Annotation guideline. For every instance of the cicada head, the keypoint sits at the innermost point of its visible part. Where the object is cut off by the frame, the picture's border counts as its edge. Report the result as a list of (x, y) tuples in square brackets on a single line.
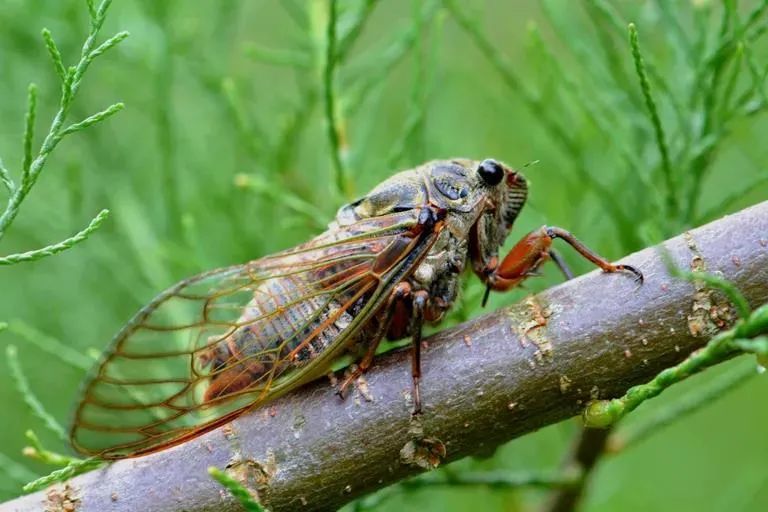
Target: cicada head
[(495, 194), (482, 199)]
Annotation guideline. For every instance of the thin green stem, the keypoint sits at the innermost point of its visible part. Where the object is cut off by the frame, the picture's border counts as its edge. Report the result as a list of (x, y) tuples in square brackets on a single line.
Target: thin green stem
[(50, 250), (635, 433), (730, 86), (496, 479), (50, 346), (412, 136), (279, 57), (93, 119), (347, 41), (108, 44), (645, 86), (55, 54), (91, 9), (72, 80), (330, 100), (758, 77), (29, 130), (38, 452), (236, 489), (60, 475), (22, 386), (603, 413)]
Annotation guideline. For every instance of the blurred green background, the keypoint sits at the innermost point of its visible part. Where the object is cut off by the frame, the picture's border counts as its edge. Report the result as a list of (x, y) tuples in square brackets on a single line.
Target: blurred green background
[(222, 155)]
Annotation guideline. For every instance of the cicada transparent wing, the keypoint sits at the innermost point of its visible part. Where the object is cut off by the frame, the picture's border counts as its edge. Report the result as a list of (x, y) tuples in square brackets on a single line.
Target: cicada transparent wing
[(218, 343)]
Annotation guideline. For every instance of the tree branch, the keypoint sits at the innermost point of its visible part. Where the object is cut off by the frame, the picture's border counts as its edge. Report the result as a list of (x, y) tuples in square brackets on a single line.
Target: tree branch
[(589, 447), (485, 382)]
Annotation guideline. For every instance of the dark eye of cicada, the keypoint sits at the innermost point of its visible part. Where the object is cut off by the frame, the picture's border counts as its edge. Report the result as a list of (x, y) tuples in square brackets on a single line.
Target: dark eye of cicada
[(491, 172)]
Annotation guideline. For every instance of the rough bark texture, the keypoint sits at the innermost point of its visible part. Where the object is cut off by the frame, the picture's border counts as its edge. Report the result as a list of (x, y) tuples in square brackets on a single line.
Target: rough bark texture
[(485, 382)]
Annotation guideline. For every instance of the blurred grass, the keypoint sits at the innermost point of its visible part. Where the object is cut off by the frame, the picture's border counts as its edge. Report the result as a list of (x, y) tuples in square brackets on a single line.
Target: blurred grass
[(222, 155)]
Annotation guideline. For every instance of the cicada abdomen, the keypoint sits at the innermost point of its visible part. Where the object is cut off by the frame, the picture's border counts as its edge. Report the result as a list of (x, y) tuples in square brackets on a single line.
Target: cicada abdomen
[(293, 316), (268, 344)]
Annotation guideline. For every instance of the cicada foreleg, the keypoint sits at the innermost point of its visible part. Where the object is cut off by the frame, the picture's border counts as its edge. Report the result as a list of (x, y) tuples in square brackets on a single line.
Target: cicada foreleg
[(534, 249)]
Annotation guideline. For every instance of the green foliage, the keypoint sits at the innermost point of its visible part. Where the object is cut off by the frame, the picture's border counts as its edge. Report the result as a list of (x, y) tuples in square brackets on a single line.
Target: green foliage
[(58, 247), (330, 98), (249, 123), (71, 79), (704, 395), (748, 335), (74, 468), (31, 168), (22, 385), (653, 112), (237, 490)]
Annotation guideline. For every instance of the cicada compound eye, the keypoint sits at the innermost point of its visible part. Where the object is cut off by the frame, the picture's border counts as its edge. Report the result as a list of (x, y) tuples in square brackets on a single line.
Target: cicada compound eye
[(491, 172)]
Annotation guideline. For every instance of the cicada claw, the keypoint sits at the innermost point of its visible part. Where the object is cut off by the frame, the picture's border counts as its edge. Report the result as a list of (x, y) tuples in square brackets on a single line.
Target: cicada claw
[(639, 278)]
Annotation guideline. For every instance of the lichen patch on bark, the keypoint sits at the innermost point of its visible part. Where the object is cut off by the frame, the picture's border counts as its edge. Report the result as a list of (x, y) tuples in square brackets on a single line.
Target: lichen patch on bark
[(61, 498), (422, 451), (426, 453), (710, 311), (529, 323), (253, 475)]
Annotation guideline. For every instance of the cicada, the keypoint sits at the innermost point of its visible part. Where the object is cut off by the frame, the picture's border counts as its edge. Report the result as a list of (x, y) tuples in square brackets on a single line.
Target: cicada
[(228, 340)]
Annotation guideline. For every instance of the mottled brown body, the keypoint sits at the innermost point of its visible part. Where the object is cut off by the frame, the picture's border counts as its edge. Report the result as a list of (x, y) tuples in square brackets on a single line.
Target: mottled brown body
[(240, 336)]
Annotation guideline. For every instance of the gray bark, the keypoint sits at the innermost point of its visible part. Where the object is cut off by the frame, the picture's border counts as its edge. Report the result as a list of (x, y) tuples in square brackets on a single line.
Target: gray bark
[(485, 382)]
